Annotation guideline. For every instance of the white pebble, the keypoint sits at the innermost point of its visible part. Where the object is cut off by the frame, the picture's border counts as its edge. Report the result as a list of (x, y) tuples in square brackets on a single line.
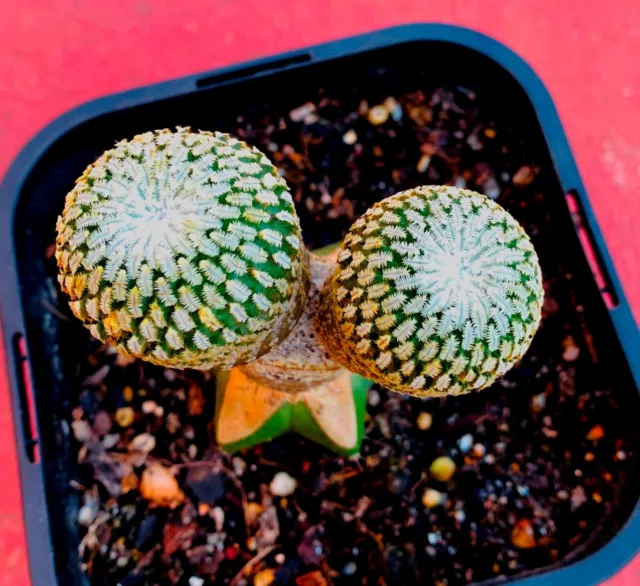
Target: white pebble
[(218, 517), (239, 466), (149, 407), (539, 402), (479, 450), (571, 353), (81, 430), (301, 112), (110, 440), (196, 581), (465, 443), (374, 398), (282, 484), (144, 443), (86, 515), (280, 559), (350, 137)]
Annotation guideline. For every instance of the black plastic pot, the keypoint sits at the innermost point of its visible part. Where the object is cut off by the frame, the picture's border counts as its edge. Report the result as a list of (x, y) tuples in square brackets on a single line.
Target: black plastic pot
[(32, 195)]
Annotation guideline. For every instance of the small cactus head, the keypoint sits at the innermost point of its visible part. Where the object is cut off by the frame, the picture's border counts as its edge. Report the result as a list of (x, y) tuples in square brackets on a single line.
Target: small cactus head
[(437, 291), (184, 249)]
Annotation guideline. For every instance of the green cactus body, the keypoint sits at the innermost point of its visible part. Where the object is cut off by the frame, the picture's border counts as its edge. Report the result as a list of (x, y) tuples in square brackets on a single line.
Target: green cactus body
[(183, 249), (437, 291)]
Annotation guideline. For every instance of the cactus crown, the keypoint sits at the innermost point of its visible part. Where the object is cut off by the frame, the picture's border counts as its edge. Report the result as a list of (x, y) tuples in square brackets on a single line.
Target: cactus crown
[(183, 249), (437, 291)]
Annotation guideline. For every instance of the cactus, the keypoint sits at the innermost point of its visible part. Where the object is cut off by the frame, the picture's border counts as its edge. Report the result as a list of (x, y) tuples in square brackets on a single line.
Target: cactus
[(437, 291), (183, 249)]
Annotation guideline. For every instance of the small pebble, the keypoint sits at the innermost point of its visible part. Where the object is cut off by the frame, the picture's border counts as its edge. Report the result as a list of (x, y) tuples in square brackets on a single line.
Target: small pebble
[(350, 569), (538, 402), (158, 411), (102, 423), (460, 516), (144, 443), (621, 456), (87, 514), (474, 142), (282, 484), (82, 430), (239, 466), (424, 421), (280, 558), (125, 416), (196, 581), (127, 394), (172, 423), (465, 443), (523, 536), (129, 482), (432, 498), (350, 137), (443, 468), (158, 485), (423, 163), (378, 115), (578, 497), (374, 398), (298, 114), (149, 407), (264, 577), (523, 176), (571, 350), (479, 450), (394, 108), (596, 433), (218, 518), (490, 459), (110, 440), (563, 495), (491, 188), (433, 538)]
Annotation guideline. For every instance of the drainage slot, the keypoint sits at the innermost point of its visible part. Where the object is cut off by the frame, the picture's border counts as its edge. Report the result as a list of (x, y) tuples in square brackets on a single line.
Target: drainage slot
[(591, 252), (253, 70), (27, 399)]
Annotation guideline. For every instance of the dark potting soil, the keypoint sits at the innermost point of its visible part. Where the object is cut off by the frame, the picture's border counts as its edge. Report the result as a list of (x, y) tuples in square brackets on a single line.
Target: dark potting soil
[(538, 457)]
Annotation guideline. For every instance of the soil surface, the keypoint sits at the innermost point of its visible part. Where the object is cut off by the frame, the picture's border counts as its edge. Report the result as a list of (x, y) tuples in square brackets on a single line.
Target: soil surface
[(531, 466)]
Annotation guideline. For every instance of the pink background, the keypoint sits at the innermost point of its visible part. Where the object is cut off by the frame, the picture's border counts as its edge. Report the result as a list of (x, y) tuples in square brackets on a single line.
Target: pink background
[(56, 55)]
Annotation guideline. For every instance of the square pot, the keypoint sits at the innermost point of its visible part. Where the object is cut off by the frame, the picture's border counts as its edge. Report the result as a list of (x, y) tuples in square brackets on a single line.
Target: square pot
[(43, 349)]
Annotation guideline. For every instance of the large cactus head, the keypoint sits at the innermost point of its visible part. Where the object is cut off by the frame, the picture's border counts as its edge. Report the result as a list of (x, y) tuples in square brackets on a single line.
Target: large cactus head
[(184, 249), (437, 291)]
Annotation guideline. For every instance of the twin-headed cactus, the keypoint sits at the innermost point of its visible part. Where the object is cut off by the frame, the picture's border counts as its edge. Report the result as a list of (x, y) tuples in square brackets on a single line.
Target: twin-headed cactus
[(184, 249)]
